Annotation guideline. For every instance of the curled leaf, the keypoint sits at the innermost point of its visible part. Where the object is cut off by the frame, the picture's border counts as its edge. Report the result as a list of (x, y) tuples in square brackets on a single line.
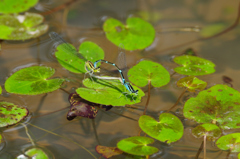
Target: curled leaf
[(192, 83)]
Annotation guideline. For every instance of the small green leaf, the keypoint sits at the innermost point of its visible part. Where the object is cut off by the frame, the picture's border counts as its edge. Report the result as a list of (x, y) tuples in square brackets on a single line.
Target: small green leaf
[(70, 60), (1, 139), (137, 145), (22, 27), (0, 90), (213, 132), (136, 34), (218, 105), (229, 142), (212, 30), (108, 92), (11, 114), (13, 6), (168, 129), (239, 156), (108, 152), (192, 83), (35, 153), (146, 71), (192, 65), (33, 81)]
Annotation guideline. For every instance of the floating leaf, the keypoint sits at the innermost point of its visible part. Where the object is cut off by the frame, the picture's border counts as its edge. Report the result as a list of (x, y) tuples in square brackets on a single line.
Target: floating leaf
[(108, 92), (70, 60), (0, 90), (108, 152), (168, 129), (33, 81), (21, 27), (229, 142), (136, 34), (11, 114), (137, 145), (35, 153), (212, 30), (239, 156), (148, 70), (192, 65), (13, 6), (219, 104), (213, 132), (192, 83)]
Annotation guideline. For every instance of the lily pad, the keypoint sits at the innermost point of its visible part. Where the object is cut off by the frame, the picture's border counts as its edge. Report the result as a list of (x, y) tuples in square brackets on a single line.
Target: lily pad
[(137, 145), (35, 153), (13, 6), (168, 129), (192, 83), (22, 27), (229, 142), (148, 70), (33, 81), (11, 114), (108, 152), (218, 105), (213, 132), (68, 56), (108, 92), (136, 34), (193, 65), (212, 29)]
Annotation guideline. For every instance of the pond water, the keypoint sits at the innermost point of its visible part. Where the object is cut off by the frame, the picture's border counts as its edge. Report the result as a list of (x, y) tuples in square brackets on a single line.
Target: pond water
[(83, 21)]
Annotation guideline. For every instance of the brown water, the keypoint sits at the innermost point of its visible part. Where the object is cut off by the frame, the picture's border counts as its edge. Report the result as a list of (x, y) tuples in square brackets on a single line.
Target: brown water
[(76, 24)]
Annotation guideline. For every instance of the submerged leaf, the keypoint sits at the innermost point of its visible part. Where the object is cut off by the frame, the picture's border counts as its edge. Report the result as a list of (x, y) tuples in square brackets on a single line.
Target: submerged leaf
[(168, 129), (108, 152), (193, 65), (34, 153), (213, 132), (11, 114), (212, 30), (229, 142), (136, 34), (192, 83), (22, 27), (146, 71), (0, 90), (108, 92), (137, 145), (218, 105), (33, 81)]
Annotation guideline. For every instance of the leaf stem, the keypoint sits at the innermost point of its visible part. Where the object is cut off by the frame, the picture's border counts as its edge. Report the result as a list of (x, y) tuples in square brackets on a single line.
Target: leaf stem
[(148, 99), (26, 129), (228, 154), (204, 146), (95, 131), (199, 151), (177, 100)]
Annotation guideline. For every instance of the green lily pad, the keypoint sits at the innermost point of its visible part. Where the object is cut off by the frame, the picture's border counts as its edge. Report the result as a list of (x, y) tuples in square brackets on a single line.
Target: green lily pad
[(168, 129), (213, 132), (192, 83), (148, 70), (13, 6), (218, 104), (67, 55), (33, 81), (229, 142), (22, 27), (212, 30), (193, 65), (137, 145), (136, 34), (0, 90), (108, 92), (108, 152), (35, 153), (11, 114)]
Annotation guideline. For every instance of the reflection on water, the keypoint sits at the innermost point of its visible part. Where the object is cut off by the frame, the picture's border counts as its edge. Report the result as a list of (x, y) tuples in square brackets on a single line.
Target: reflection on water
[(82, 21)]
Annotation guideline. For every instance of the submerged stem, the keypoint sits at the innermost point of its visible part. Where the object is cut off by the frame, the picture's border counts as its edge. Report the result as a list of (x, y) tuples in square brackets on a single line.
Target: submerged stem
[(204, 146), (95, 131), (228, 154), (177, 100), (199, 151), (148, 99), (31, 140)]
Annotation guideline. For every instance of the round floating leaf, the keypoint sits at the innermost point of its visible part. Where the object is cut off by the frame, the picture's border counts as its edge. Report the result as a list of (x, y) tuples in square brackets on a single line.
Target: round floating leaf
[(13, 6), (219, 104), (108, 92), (212, 131), (11, 114), (192, 83), (33, 81), (148, 70), (193, 65), (229, 142), (136, 34), (168, 129), (137, 145), (35, 153), (22, 27), (0, 90), (69, 59), (108, 152), (212, 30)]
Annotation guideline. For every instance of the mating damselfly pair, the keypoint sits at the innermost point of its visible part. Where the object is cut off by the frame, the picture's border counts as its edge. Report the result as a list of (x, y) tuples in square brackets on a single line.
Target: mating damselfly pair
[(91, 67)]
